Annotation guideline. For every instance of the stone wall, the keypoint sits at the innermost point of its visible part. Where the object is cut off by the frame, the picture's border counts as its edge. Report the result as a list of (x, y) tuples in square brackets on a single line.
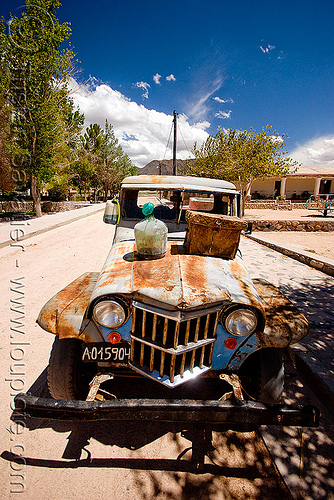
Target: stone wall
[(47, 206), (270, 204), (62, 206), (291, 225)]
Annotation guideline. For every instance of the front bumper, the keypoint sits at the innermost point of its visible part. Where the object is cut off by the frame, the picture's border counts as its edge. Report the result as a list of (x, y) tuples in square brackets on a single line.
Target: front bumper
[(184, 412)]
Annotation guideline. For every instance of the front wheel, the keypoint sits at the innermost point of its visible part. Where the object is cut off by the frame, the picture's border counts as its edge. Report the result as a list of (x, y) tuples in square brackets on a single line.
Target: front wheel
[(68, 377), (262, 375)]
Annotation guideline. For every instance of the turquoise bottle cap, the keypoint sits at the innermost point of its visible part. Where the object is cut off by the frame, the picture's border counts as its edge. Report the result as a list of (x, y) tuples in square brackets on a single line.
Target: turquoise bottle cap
[(148, 209)]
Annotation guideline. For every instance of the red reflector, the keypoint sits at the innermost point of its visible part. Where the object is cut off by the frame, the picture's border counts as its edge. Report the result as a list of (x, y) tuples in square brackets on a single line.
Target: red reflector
[(230, 343), (114, 337)]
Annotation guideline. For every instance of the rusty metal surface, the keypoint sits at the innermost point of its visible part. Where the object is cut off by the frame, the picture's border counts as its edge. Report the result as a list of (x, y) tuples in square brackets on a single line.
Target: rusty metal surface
[(234, 381), (63, 313), (95, 384), (285, 324), (177, 280), (178, 182), (184, 412)]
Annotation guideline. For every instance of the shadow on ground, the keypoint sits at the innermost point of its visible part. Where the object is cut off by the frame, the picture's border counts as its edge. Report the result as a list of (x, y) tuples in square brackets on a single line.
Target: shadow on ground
[(237, 464), (304, 457)]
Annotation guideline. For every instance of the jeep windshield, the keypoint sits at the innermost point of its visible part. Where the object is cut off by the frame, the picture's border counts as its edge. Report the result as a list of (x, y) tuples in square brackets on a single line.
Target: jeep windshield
[(171, 205)]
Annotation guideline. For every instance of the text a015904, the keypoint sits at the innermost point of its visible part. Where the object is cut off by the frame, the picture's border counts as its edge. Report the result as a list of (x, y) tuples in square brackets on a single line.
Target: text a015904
[(105, 352)]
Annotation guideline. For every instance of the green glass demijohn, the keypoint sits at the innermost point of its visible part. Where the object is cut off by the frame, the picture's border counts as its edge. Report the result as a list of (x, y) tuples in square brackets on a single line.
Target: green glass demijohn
[(150, 235)]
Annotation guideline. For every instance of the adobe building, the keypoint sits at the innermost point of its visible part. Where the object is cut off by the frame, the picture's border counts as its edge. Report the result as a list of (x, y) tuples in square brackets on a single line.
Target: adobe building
[(297, 186)]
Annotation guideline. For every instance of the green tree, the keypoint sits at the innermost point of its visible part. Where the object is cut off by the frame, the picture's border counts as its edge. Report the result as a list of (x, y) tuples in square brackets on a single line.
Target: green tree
[(103, 163), (242, 157), (34, 84), (82, 172), (6, 178), (89, 156), (58, 188), (114, 164)]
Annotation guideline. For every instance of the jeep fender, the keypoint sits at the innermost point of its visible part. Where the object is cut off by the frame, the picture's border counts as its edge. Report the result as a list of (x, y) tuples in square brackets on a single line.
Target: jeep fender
[(64, 313)]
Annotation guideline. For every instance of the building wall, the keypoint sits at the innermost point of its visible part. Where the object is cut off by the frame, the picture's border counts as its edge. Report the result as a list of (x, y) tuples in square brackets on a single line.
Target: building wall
[(294, 186), (298, 186), (264, 188)]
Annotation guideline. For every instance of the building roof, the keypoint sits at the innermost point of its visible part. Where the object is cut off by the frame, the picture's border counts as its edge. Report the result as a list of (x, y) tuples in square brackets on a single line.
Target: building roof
[(313, 172)]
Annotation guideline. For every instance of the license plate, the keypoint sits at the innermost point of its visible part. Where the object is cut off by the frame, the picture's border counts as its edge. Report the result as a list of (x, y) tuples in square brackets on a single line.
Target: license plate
[(118, 353)]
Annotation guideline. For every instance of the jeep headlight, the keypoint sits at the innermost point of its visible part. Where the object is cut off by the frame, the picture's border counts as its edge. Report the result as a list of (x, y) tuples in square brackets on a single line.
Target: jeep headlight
[(109, 313), (240, 322)]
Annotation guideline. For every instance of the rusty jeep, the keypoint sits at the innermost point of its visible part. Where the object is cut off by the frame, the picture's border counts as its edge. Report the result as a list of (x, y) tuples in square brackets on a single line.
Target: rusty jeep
[(192, 315)]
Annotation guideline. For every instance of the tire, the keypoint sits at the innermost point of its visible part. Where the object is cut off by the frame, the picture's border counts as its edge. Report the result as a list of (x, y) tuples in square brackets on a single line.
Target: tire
[(262, 375), (68, 377)]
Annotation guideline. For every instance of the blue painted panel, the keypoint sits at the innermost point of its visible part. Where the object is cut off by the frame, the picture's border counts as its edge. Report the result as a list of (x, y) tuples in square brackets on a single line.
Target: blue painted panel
[(123, 330), (232, 358), (251, 345)]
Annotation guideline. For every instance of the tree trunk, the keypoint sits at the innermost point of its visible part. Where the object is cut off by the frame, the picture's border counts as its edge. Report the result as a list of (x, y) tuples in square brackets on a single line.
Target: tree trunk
[(105, 192), (36, 196)]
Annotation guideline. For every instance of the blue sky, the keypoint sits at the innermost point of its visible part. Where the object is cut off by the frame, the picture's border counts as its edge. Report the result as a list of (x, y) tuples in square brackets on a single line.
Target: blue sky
[(218, 63)]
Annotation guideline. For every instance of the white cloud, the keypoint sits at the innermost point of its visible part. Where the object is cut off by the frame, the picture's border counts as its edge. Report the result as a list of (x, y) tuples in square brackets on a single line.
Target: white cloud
[(156, 78), (223, 101), (145, 86), (267, 49), (171, 78), (199, 111), (224, 115), (316, 152), (142, 133)]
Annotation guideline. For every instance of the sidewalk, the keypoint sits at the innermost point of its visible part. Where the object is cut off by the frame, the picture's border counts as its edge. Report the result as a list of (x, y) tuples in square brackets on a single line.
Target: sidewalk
[(315, 365), (19, 230), (313, 248), (317, 369), (282, 214), (295, 251)]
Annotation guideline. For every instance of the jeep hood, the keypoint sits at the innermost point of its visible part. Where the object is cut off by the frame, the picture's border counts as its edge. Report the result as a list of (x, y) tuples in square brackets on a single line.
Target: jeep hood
[(177, 281)]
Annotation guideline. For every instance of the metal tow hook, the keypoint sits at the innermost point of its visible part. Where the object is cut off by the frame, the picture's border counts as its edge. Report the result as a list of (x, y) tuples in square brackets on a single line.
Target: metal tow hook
[(95, 386), (234, 381)]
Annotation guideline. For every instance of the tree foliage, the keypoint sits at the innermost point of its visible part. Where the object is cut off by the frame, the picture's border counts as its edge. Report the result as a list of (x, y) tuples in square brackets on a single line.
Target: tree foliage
[(34, 85), (6, 179), (114, 164), (242, 157), (102, 163)]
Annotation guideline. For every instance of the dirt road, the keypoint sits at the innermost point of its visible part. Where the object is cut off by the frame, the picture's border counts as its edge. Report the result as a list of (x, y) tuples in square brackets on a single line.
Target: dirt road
[(102, 459)]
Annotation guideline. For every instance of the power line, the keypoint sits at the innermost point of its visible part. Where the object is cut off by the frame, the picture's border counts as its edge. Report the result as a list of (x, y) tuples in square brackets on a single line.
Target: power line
[(184, 142), (170, 133)]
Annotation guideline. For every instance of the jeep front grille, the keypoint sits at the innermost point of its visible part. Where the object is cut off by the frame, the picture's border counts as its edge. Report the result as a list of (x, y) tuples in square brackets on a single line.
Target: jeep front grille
[(169, 349)]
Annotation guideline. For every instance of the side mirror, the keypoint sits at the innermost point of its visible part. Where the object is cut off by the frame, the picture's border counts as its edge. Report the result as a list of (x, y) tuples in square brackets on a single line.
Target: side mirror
[(112, 212)]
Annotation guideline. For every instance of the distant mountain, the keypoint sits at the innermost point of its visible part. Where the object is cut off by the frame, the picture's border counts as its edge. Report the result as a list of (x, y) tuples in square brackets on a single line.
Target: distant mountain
[(163, 167)]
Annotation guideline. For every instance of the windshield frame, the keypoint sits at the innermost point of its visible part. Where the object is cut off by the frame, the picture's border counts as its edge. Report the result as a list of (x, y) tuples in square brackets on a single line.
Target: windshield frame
[(129, 202)]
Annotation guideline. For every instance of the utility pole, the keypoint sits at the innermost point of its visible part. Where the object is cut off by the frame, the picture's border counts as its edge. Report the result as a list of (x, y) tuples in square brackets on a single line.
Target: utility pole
[(174, 145)]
